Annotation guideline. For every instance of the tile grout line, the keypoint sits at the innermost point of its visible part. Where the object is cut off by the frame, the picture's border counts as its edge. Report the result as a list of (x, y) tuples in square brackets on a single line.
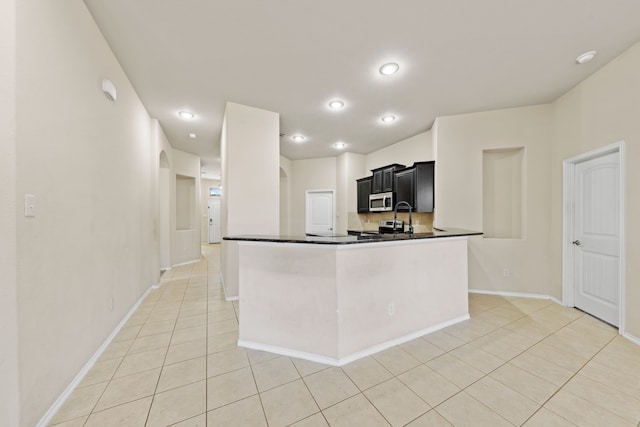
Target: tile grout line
[(532, 335), (313, 397), (548, 362), (503, 364), (445, 352), (155, 302), (258, 393), (573, 376), (166, 352), (116, 370), (206, 352)]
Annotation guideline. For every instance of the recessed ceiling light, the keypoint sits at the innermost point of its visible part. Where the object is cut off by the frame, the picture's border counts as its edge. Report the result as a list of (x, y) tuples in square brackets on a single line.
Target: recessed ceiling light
[(586, 57), (192, 135), (336, 104), (297, 138), (389, 68), (186, 114), (339, 145), (388, 118)]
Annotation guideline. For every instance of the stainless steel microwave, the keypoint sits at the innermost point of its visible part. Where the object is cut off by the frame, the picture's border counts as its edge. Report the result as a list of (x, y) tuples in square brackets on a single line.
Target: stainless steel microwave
[(381, 202)]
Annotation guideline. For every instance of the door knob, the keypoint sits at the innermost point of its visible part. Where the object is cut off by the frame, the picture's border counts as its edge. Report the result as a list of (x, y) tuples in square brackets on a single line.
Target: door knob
[(577, 242)]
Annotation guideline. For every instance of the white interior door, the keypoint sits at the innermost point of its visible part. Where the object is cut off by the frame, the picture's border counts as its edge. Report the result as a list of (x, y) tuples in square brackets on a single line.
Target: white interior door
[(596, 241), (319, 212), (214, 220)]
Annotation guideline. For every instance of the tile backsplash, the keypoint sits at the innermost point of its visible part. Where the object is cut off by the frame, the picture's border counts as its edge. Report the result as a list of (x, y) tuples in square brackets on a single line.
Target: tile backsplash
[(422, 221)]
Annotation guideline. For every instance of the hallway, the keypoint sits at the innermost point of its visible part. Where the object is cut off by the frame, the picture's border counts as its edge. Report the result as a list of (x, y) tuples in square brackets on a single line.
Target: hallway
[(517, 361)]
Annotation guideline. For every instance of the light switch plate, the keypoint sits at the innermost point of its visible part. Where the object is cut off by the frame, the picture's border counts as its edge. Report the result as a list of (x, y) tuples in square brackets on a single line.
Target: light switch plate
[(29, 205)]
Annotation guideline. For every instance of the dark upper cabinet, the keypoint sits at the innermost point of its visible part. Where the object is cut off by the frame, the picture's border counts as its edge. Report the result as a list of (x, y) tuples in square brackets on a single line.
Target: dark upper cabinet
[(364, 189), (383, 178), (425, 189), (387, 179), (414, 185), (405, 183), (376, 183)]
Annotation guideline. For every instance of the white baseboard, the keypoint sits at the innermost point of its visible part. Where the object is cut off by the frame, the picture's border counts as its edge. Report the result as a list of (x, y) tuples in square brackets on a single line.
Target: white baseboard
[(516, 294), (185, 263), (288, 352), (352, 357), (557, 301), (46, 418), (631, 338)]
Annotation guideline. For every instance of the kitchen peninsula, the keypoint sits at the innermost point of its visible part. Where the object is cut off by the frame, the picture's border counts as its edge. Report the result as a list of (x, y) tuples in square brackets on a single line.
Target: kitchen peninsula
[(337, 299)]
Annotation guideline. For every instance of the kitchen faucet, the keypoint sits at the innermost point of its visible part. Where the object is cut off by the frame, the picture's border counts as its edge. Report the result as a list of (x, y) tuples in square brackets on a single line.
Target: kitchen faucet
[(395, 215)]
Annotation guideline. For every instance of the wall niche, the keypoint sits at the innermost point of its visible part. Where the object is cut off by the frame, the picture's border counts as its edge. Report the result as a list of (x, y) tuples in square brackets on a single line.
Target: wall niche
[(503, 195), (185, 202)]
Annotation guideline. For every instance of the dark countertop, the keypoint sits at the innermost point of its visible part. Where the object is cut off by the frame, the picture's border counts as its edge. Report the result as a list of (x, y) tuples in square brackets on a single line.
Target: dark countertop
[(364, 237)]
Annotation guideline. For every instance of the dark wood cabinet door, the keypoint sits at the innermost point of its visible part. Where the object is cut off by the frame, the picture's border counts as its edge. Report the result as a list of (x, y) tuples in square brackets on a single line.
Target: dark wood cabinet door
[(364, 189), (376, 184), (387, 179), (405, 188), (424, 196), (383, 180), (414, 185)]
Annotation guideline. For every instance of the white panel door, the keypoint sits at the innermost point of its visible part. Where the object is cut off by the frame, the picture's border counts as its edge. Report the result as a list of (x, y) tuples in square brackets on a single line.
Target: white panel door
[(597, 237), (319, 212), (214, 220)]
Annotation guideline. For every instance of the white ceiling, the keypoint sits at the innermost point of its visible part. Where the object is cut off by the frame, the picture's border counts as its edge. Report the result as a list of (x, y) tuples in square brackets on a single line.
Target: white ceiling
[(294, 56)]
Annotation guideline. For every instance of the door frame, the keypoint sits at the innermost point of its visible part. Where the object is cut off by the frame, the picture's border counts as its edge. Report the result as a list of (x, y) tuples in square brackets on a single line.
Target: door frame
[(211, 221), (568, 212), (307, 213)]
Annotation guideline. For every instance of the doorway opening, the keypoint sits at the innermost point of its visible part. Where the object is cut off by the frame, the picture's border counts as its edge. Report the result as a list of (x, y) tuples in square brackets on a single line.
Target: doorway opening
[(593, 233)]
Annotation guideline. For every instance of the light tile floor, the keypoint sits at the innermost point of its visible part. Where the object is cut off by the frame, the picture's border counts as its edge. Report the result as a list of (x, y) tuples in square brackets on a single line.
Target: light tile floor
[(517, 362)]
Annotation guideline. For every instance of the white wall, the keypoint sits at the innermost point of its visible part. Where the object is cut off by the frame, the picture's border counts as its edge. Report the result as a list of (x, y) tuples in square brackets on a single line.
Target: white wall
[(602, 110), (164, 152), (9, 369), (350, 166), (311, 174), (183, 245), (459, 141), (250, 159), (285, 196), (251, 184), (418, 148), (91, 164)]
